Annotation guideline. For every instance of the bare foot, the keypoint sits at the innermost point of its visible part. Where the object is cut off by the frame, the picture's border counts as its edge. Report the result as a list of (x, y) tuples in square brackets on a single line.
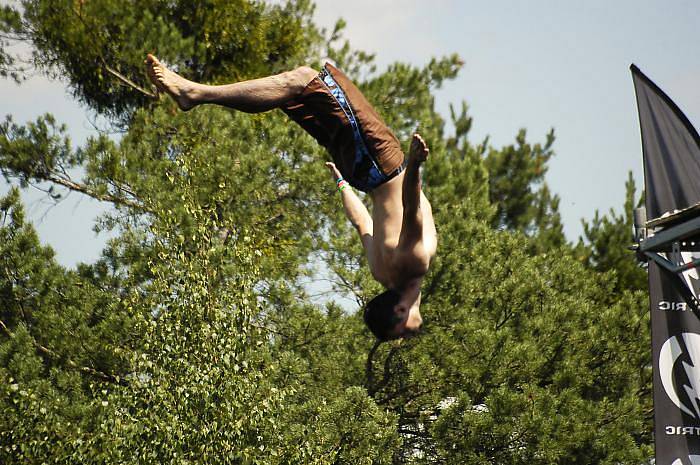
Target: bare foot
[(179, 88), (419, 149)]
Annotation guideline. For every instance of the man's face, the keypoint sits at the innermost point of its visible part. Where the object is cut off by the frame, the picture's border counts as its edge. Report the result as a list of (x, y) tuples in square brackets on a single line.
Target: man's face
[(408, 321)]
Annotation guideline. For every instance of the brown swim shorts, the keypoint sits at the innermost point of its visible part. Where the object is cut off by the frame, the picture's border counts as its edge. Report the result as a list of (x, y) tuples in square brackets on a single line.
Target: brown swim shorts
[(333, 111)]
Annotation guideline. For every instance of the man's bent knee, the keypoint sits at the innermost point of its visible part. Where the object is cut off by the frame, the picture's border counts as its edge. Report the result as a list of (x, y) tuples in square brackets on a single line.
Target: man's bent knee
[(303, 75)]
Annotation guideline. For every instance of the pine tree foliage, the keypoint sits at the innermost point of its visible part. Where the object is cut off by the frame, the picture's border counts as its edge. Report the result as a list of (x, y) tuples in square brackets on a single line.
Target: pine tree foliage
[(195, 337), (608, 238), (10, 62)]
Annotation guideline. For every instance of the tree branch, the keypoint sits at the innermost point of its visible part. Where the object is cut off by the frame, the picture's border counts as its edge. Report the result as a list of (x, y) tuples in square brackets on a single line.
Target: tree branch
[(85, 190), (71, 363), (126, 80), (89, 30)]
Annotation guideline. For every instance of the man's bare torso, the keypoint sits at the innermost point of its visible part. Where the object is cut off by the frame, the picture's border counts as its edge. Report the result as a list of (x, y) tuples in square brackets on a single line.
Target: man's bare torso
[(392, 260)]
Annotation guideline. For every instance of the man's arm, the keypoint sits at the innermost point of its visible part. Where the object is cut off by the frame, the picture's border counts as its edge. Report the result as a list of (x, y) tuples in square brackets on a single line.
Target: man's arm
[(355, 210)]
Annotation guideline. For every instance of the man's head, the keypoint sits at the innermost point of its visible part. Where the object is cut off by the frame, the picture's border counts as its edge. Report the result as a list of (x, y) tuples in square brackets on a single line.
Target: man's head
[(390, 315)]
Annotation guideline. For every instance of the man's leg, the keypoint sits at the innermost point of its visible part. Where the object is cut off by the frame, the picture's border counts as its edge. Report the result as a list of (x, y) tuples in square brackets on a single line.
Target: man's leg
[(252, 96), (411, 193)]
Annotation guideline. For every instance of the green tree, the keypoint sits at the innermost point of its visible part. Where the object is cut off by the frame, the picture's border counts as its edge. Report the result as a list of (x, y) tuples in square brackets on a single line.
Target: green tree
[(522, 198), (607, 239), (10, 24), (63, 336)]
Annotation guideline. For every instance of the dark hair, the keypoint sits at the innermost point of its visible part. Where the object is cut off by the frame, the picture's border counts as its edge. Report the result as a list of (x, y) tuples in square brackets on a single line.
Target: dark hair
[(379, 314)]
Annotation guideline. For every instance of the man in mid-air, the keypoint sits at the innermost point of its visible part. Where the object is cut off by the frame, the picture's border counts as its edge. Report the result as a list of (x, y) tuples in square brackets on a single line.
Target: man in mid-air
[(399, 237)]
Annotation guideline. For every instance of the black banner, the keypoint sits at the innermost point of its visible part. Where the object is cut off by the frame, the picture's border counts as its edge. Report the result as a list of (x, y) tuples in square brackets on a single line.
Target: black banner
[(671, 149)]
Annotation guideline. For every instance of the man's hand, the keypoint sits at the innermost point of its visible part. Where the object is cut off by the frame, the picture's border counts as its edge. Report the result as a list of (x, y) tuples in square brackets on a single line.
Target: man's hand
[(419, 149), (334, 171)]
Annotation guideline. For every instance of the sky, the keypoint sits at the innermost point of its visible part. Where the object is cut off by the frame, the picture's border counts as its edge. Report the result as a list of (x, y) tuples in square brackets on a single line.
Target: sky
[(535, 65)]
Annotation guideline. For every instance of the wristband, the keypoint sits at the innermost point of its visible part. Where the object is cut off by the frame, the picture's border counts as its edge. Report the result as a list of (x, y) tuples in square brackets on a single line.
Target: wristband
[(341, 184)]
